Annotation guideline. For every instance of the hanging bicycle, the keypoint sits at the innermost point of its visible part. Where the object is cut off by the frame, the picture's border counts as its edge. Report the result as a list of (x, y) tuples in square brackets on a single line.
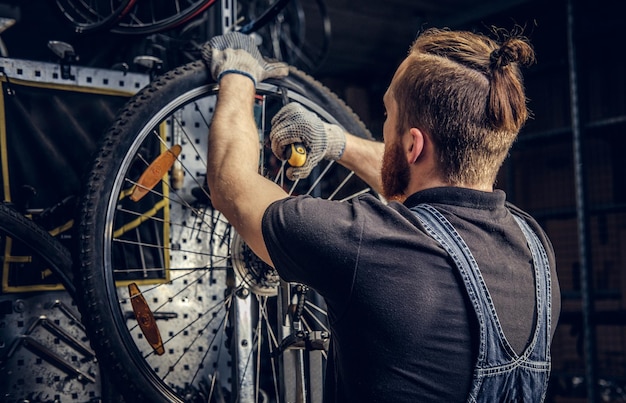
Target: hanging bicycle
[(291, 32)]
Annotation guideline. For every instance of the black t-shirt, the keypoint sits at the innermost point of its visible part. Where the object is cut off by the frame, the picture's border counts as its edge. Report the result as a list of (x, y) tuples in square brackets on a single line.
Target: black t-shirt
[(402, 327)]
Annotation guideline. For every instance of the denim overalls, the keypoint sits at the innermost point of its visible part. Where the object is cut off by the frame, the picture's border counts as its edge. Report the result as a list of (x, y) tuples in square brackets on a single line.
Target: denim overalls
[(500, 375)]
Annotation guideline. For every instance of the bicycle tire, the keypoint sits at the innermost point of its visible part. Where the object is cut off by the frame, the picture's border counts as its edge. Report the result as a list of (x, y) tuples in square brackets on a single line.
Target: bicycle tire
[(152, 16), (43, 246), (28, 238), (225, 270), (89, 16)]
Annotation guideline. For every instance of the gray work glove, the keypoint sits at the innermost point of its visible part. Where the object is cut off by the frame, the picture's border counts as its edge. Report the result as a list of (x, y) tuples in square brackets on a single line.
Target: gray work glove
[(235, 52), (296, 124)]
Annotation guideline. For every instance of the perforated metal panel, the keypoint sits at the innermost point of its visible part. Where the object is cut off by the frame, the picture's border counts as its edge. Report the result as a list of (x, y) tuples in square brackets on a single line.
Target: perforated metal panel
[(45, 353)]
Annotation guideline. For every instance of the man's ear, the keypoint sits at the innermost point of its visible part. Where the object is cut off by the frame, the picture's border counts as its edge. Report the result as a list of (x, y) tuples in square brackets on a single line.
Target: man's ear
[(415, 145)]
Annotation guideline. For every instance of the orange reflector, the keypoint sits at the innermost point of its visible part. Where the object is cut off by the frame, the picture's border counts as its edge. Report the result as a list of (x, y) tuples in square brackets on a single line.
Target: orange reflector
[(145, 319), (155, 172)]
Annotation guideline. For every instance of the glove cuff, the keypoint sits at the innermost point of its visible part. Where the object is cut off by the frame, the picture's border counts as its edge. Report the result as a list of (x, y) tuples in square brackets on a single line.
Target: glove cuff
[(235, 71), (235, 61), (336, 141)]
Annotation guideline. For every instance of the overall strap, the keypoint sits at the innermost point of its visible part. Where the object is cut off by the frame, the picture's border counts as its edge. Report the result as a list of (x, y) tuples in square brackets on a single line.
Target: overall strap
[(543, 280), (440, 229)]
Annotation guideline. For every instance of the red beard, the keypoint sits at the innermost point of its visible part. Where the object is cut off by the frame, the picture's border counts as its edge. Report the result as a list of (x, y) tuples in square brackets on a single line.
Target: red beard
[(395, 172)]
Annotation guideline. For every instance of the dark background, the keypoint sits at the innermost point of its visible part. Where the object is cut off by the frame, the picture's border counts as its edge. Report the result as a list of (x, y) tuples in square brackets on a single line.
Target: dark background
[(566, 168), (368, 38)]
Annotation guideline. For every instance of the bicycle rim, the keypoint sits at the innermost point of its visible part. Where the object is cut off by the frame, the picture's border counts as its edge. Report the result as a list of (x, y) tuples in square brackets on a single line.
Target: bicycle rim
[(212, 319)]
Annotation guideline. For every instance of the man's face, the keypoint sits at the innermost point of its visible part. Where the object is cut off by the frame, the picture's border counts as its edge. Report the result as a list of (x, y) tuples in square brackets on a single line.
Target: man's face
[(395, 171)]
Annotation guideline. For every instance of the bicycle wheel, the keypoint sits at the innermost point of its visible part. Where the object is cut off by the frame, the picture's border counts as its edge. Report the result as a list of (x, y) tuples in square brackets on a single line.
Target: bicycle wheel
[(23, 242), (179, 307), (94, 15), (153, 16), (294, 35), (22, 237)]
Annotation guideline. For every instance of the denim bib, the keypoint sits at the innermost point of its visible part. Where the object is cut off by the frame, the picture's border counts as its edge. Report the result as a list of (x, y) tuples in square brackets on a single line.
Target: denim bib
[(500, 375)]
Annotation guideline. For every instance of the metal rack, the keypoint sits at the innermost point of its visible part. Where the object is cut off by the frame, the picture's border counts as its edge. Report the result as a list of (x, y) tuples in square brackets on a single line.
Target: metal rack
[(44, 350)]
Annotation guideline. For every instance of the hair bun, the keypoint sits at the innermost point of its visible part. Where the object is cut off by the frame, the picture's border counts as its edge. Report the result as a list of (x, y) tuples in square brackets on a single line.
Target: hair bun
[(511, 51)]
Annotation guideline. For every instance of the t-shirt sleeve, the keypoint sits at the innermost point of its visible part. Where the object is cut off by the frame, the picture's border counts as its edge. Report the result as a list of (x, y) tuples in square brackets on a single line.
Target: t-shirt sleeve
[(315, 242)]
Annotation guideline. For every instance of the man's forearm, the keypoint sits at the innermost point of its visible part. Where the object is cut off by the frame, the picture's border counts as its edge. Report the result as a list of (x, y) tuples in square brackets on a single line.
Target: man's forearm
[(365, 158), (233, 145), (237, 190)]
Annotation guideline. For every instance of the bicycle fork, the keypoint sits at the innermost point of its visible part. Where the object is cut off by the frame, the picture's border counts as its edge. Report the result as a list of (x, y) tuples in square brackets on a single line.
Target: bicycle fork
[(300, 351)]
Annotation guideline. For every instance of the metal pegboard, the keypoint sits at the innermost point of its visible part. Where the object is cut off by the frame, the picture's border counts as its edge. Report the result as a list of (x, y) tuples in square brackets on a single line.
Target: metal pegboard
[(45, 355), (78, 76), (44, 352), (200, 243)]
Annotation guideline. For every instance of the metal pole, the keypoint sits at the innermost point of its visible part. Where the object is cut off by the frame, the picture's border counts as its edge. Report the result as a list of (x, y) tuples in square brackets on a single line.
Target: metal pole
[(586, 284), (228, 15)]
